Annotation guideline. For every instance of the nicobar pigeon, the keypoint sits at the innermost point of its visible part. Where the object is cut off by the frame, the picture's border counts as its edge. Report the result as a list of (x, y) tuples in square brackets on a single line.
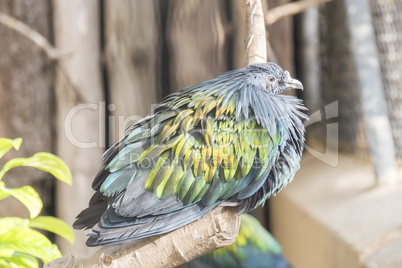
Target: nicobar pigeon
[(230, 140), (254, 247)]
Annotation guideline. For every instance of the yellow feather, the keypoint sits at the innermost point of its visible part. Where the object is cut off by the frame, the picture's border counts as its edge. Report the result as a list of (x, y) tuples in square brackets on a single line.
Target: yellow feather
[(162, 176), (232, 173), (225, 173), (155, 169), (183, 101), (167, 132), (238, 173), (211, 173), (201, 166), (186, 147), (168, 124), (208, 153), (198, 116), (188, 125), (209, 106), (196, 162), (179, 146), (182, 115), (215, 157), (220, 111), (187, 160), (144, 153), (230, 161), (202, 102)]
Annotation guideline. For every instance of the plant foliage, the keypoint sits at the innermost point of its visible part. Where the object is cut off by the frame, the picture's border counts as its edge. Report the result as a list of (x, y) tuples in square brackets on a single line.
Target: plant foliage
[(20, 245)]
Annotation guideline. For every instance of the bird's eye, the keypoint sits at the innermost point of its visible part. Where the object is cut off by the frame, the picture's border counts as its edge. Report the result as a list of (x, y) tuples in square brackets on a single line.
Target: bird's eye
[(271, 79)]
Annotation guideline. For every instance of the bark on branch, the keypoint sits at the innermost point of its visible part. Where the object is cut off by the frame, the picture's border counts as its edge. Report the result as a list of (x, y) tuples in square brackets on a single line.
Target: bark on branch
[(29, 33), (217, 229), (255, 38)]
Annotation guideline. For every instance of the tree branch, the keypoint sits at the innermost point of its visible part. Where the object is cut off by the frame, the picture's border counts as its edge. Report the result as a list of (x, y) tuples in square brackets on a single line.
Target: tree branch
[(290, 9), (31, 34), (41, 41), (217, 229), (255, 38)]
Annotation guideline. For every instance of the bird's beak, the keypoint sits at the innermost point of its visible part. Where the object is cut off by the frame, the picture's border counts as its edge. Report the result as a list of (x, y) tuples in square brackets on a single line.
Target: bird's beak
[(291, 83)]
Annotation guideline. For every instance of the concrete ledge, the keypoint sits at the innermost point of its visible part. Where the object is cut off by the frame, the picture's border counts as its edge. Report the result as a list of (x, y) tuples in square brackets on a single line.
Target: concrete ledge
[(336, 217)]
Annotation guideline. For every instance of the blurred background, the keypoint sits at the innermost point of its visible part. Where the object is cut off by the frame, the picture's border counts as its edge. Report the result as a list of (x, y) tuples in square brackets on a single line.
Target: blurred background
[(108, 62)]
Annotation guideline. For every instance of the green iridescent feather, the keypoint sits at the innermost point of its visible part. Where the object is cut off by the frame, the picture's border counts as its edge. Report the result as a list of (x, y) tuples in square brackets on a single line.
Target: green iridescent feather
[(254, 247), (227, 139), (226, 146)]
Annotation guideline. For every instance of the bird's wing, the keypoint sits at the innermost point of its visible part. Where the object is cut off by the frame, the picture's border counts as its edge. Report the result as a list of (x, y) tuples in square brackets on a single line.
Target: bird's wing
[(177, 164)]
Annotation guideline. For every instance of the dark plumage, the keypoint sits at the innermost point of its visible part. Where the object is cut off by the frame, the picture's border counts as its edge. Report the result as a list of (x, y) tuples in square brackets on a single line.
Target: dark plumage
[(233, 138)]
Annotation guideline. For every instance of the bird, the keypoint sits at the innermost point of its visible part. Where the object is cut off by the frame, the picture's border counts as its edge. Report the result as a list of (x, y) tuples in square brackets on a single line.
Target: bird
[(233, 140), (254, 247)]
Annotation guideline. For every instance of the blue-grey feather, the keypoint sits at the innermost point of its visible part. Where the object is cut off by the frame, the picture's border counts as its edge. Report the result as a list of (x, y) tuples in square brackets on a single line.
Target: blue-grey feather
[(136, 213), (118, 181)]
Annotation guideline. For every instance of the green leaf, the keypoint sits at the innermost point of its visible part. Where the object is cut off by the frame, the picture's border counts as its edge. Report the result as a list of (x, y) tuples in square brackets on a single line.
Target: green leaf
[(28, 241), (4, 263), (6, 252), (3, 194), (26, 195), (10, 254), (53, 225), (12, 222), (44, 161), (7, 144), (19, 260)]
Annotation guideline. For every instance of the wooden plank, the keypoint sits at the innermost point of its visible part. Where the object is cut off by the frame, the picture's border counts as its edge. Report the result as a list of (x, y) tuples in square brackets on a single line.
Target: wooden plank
[(196, 40), (26, 83), (132, 46), (280, 36), (79, 117)]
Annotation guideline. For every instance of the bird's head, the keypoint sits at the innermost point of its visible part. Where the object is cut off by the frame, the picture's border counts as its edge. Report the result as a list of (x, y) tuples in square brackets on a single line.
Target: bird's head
[(272, 77)]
